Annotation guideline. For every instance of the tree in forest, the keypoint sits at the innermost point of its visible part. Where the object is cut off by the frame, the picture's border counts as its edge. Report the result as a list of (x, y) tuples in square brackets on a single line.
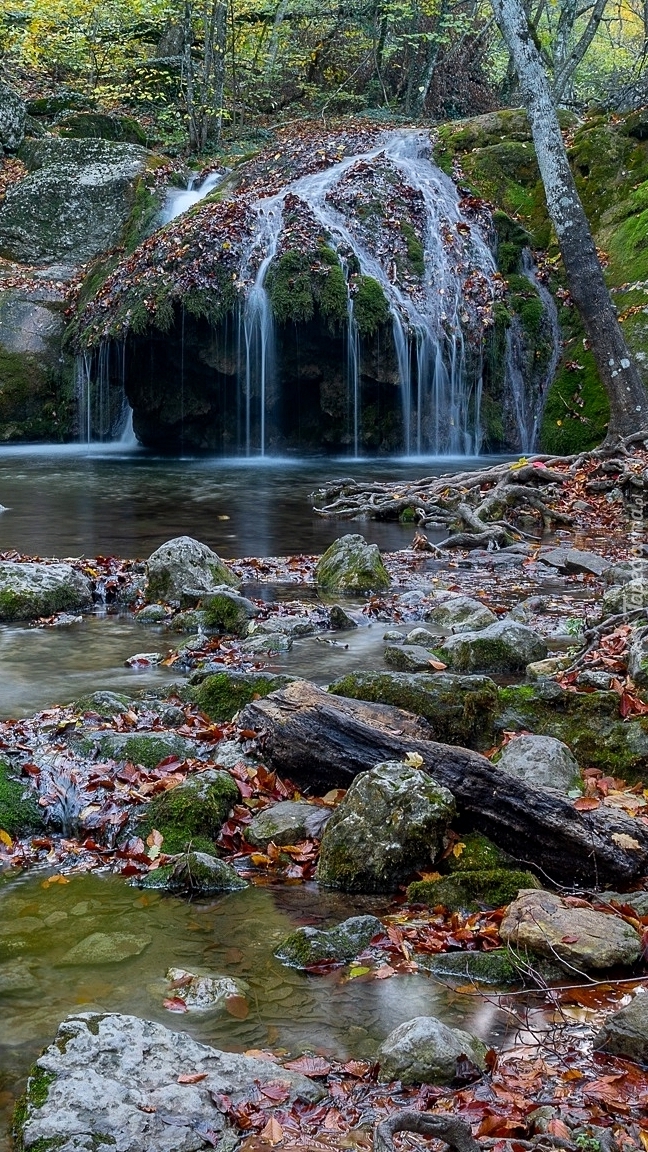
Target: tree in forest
[(627, 395)]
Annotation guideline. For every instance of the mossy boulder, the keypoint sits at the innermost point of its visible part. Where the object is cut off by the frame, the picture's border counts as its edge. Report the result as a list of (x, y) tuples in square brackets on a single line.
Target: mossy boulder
[(12, 119), (104, 704), (308, 946), (426, 1051), (287, 823), (496, 968), (222, 695), (502, 647), (460, 709), (638, 658), (145, 748), (352, 565), (625, 597), (391, 822), (370, 307), (184, 569), (19, 809), (300, 284), (192, 814), (28, 591), (201, 873), (457, 613), (101, 126), (409, 658), (470, 891), (476, 853), (228, 612)]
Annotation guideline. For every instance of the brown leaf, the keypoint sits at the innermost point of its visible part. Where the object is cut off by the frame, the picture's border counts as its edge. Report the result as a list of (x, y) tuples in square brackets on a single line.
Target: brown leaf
[(273, 1132), (191, 1077), (309, 1066), (237, 1006)]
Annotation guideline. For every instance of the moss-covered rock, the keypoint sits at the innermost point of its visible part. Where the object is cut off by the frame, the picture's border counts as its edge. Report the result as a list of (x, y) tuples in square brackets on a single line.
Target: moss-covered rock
[(425, 1051), (104, 704), (502, 647), (184, 569), (460, 709), (469, 891), (12, 119), (458, 613), (145, 748), (228, 612), (308, 946), (300, 283), (496, 968), (28, 591), (370, 307), (287, 823), (476, 853), (391, 822), (352, 565), (102, 126), (201, 873), (194, 811), (19, 809), (222, 695)]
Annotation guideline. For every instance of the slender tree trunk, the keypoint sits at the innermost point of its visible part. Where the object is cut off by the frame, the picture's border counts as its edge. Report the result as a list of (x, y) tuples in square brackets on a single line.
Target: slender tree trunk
[(566, 62), (628, 399)]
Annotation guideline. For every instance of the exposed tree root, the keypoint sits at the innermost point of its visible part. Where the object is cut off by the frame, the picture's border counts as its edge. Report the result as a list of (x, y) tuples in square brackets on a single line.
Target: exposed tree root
[(482, 509)]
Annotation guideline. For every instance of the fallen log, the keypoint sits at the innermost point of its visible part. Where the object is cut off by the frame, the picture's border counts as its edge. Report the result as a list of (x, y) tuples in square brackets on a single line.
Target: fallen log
[(323, 741)]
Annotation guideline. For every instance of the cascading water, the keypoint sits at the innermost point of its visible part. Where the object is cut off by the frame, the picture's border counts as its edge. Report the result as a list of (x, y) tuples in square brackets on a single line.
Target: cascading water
[(527, 396), (180, 200), (258, 320), (104, 414)]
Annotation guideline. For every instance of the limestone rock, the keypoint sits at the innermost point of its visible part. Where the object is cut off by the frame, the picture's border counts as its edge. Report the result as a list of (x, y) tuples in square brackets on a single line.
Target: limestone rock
[(307, 946), (541, 761), (113, 1079), (104, 704), (228, 612), (152, 614), (287, 823), (293, 626), (457, 613), (625, 597), (340, 620), (391, 822), (425, 1051), (265, 643), (145, 748), (574, 560), (203, 993), (12, 119), (184, 566), (638, 657), (625, 1033), (75, 202), (352, 565), (541, 922), (106, 948), (422, 637), (31, 590), (502, 647), (409, 658)]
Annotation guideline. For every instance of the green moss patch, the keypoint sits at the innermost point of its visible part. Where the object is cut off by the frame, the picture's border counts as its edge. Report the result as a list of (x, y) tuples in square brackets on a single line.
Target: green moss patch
[(370, 307), (300, 284), (19, 809), (472, 890), (223, 695), (192, 814)]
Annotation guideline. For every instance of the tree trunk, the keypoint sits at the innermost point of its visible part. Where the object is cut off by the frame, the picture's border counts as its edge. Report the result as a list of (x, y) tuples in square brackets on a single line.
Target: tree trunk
[(628, 400), (323, 741)]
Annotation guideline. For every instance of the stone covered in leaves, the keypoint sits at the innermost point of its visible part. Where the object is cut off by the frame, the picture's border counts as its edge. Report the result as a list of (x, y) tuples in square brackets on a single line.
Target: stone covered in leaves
[(352, 565), (502, 647), (183, 569), (306, 947), (28, 590), (426, 1051), (192, 814), (203, 993), (542, 922), (391, 822)]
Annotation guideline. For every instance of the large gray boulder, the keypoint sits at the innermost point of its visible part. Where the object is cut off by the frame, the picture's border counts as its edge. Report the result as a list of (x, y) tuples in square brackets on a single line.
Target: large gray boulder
[(74, 204), (28, 591), (502, 647), (541, 922), (287, 823), (307, 946), (574, 560), (625, 1033), (352, 565), (625, 597), (12, 119), (410, 658), (227, 610), (542, 761), (116, 1080), (391, 822), (458, 613), (638, 657), (425, 1051), (184, 569)]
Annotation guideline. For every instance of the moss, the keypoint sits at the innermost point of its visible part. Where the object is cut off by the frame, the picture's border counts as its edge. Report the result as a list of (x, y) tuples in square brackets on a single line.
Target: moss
[(300, 284), (105, 704), (193, 813), (145, 750), (223, 695), (36, 397), (472, 890), (496, 968), (99, 126), (38, 1086), (478, 854), (415, 249), (370, 307), (198, 872), (19, 810), (227, 613), (34, 1097), (158, 877)]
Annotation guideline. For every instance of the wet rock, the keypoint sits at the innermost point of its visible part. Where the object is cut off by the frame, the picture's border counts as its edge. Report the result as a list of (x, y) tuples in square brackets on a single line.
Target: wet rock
[(422, 637), (636, 900), (152, 614), (470, 891), (425, 1051), (183, 568), (293, 626), (28, 591), (228, 612), (113, 1079), (393, 635), (75, 203), (222, 695), (12, 119), (626, 571), (307, 946), (228, 753), (502, 647), (625, 1033), (144, 659), (199, 873), (540, 669), (192, 620), (203, 993), (106, 948), (491, 968), (287, 823), (409, 658), (192, 814), (15, 977), (458, 613), (340, 620), (19, 808), (541, 761), (594, 679), (460, 709), (352, 565), (105, 704), (574, 560), (638, 657), (391, 822), (145, 748), (263, 644), (541, 922), (625, 597)]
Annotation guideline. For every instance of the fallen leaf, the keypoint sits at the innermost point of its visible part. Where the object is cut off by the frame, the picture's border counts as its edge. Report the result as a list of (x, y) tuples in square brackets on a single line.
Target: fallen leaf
[(237, 1006), (413, 759), (309, 1066), (175, 1004), (273, 1132), (191, 1077)]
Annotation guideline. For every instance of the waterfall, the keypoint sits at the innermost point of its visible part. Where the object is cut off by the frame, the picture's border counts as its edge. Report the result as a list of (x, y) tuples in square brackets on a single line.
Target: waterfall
[(104, 414), (179, 200), (258, 319), (527, 394)]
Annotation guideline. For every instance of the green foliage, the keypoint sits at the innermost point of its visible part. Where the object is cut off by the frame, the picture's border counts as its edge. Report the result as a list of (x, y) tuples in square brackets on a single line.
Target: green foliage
[(300, 284), (415, 249), (370, 307)]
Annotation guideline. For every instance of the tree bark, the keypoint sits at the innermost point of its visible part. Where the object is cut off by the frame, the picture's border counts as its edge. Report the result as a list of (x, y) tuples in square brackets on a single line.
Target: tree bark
[(628, 400), (324, 741)]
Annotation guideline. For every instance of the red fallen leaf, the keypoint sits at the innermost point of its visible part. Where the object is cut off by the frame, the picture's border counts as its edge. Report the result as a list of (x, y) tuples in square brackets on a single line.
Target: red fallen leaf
[(277, 1090), (191, 1077), (175, 1004), (586, 804), (31, 769), (570, 939), (357, 1067), (237, 1006), (273, 1132), (309, 1066), (558, 1128)]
